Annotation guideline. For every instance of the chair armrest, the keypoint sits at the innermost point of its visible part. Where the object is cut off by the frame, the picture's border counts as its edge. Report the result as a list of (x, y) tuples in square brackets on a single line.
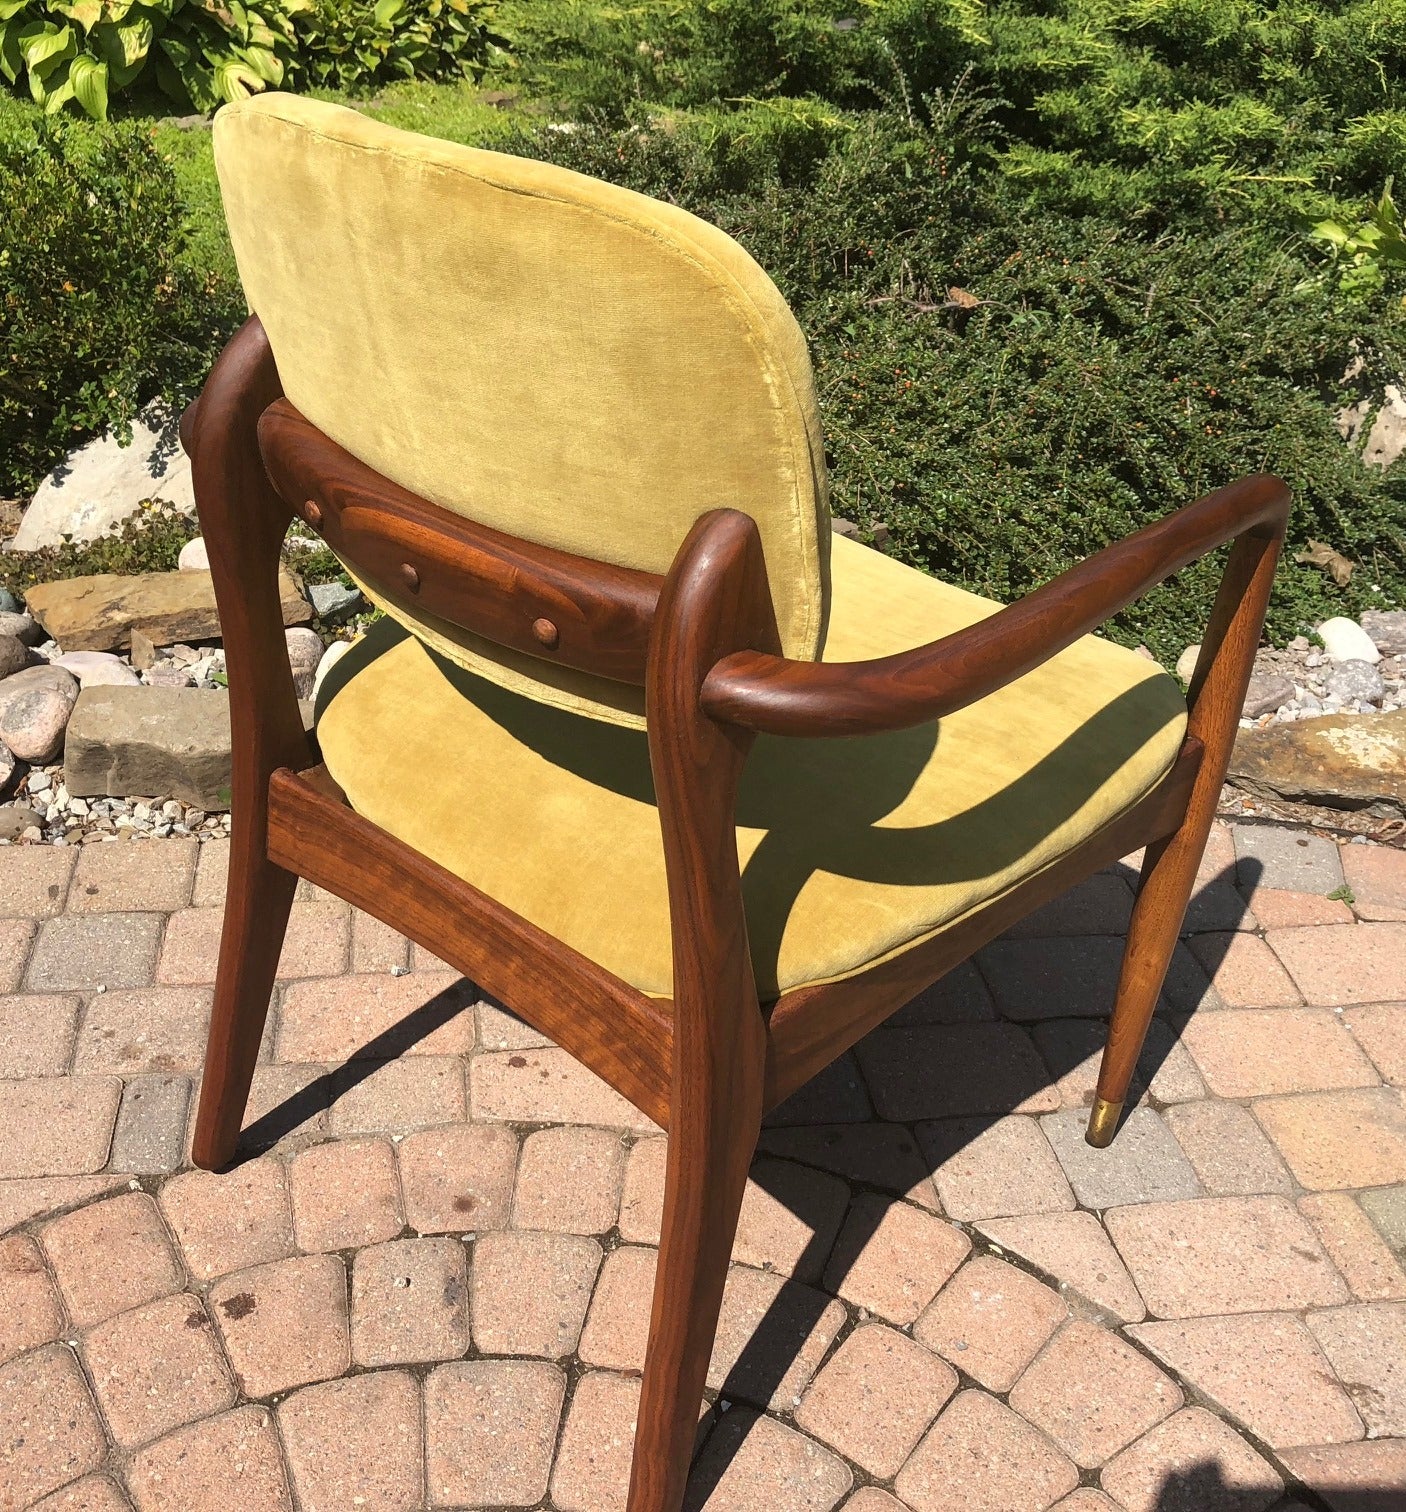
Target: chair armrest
[(773, 695)]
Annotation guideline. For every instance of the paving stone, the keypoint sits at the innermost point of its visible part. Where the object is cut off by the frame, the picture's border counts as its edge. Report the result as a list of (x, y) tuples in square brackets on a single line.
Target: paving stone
[(980, 1457), (228, 1222), (376, 946), (1073, 1248), (316, 944), (491, 1426), (592, 1471), (1380, 1029), (151, 1125), (892, 1259), (1339, 1139), (156, 1368), (1275, 909), (49, 1428), (228, 1461), (873, 1499), (1217, 905), (1143, 1164), (37, 1197), (211, 874), (91, 950), (458, 1179), (877, 1154), (57, 1126), (1053, 978), (1364, 1477), (875, 1398), (375, 1018), (1377, 876), (1099, 905), (1191, 1463), (1272, 856), (1085, 1499), (1366, 1344), (954, 1071), (569, 1181), (1245, 971), (284, 1102), (1188, 987), (16, 936), (617, 1323), (1387, 1209), (136, 877), (1227, 1148), (398, 1096), (30, 1312), (356, 1443), (410, 1302), (530, 1292), (991, 1320), (1223, 1255), (790, 1217), (284, 1324), (986, 1169), (111, 1256), (958, 998), (37, 1033), (1360, 963), (345, 1194), (1366, 1262), (144, 1029), (753, 1464), (1257, 1052), (546, 1086), (499, 1028), (94, 1493), (36, 879), (1263, 1369), (1093, 1393), (642, 1195), (1073, 1050), (835, 1095)]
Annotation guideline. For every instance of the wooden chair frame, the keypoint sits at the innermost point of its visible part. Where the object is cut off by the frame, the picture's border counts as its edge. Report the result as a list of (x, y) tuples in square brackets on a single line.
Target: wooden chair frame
[(703, 644)]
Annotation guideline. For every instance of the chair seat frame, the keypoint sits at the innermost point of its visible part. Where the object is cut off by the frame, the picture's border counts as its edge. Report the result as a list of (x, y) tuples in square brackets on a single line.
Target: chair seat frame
[(709, 1063)]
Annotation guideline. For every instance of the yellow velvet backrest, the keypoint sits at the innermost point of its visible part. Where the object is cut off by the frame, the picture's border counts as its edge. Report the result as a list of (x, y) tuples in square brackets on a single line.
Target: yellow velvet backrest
[(549, 355)]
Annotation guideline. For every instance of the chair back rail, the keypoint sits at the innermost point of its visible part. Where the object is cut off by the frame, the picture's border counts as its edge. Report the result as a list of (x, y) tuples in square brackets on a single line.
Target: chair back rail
[(587, 615)]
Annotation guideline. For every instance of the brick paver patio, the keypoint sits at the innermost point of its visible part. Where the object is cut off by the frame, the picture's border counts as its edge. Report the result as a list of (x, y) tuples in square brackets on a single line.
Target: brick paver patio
[(428, 1284)]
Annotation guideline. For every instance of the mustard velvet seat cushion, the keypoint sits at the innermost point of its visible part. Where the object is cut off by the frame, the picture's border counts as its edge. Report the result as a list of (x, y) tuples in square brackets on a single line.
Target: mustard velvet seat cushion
[(552, 356), (852, 849)]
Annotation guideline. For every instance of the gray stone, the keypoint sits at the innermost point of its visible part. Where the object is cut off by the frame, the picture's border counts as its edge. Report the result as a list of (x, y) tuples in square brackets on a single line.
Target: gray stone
[(15, 656), (1287, 860), (194, 557), (77, 952), (97, 669), (100, 613), (139, 741), (305, 651), (9, 604), (1386, 440), (168, 675), (1355, 682), (1266, 693), (35, 706), (334, 602), (21, 626), (16, 818), (8, 764), (846, 528), (1355, 761), (1387, 627), (101, 483), (151, 1124), (1386, 1207), (1143, 1164)]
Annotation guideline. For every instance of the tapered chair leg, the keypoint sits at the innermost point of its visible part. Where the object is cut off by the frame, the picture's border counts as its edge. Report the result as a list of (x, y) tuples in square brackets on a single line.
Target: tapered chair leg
[(257, 904)]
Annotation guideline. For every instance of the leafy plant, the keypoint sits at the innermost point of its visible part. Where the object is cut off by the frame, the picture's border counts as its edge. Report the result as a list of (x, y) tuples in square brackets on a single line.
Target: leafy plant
[(359, 46), (148, 540), (1364, 256)]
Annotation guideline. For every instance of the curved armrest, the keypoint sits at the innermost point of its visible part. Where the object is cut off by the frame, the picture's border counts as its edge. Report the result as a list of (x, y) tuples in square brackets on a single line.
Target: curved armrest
[(775, 696)]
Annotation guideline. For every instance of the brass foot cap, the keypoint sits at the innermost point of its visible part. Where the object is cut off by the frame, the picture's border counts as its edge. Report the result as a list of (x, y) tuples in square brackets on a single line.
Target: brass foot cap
[(1103, 1121)]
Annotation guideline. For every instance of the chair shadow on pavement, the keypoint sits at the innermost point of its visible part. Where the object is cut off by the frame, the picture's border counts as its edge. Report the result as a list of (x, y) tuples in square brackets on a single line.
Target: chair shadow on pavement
[(1042, 1039)]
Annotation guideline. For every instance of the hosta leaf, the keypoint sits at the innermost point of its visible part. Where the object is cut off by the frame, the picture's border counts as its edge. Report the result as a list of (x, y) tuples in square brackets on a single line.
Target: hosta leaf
[(87, 13), (10, 8), (11, 59), (264, 64), (235, 80), (125, 47), (387, 10), (45, 45), (89, 80)]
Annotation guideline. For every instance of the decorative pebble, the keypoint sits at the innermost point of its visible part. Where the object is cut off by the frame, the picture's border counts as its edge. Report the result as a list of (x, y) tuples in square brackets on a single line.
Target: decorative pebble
[(1186, 663), (1355, 682), (194, 556), (1346, 640)]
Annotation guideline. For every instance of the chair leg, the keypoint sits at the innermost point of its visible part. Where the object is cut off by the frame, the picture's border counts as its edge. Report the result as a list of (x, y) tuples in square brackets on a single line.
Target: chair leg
[(257, 903), (706, 1177)]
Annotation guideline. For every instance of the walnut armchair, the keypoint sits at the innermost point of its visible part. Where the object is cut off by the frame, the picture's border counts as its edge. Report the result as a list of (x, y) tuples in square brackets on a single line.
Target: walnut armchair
[(698, 793)]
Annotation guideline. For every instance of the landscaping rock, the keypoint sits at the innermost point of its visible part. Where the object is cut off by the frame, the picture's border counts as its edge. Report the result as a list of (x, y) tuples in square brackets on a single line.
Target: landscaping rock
[(305, 652), (34, 710), (139, 741), (97, 669), (168, 675), (333, 602), (1387, 627), (9, 604), (16, 818), (1386, 440), (142, 652), (1186, 663), (21, 626), (1354, 682), (1350, 762), (1343, 640), (1266, 693), (334, 653), (101, 483), (14, 655), (194, 557), (100, 613), (8, 767)]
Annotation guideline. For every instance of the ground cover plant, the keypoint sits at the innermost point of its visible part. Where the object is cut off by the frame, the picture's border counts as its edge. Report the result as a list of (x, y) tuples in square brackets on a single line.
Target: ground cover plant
[(1063, 264)]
